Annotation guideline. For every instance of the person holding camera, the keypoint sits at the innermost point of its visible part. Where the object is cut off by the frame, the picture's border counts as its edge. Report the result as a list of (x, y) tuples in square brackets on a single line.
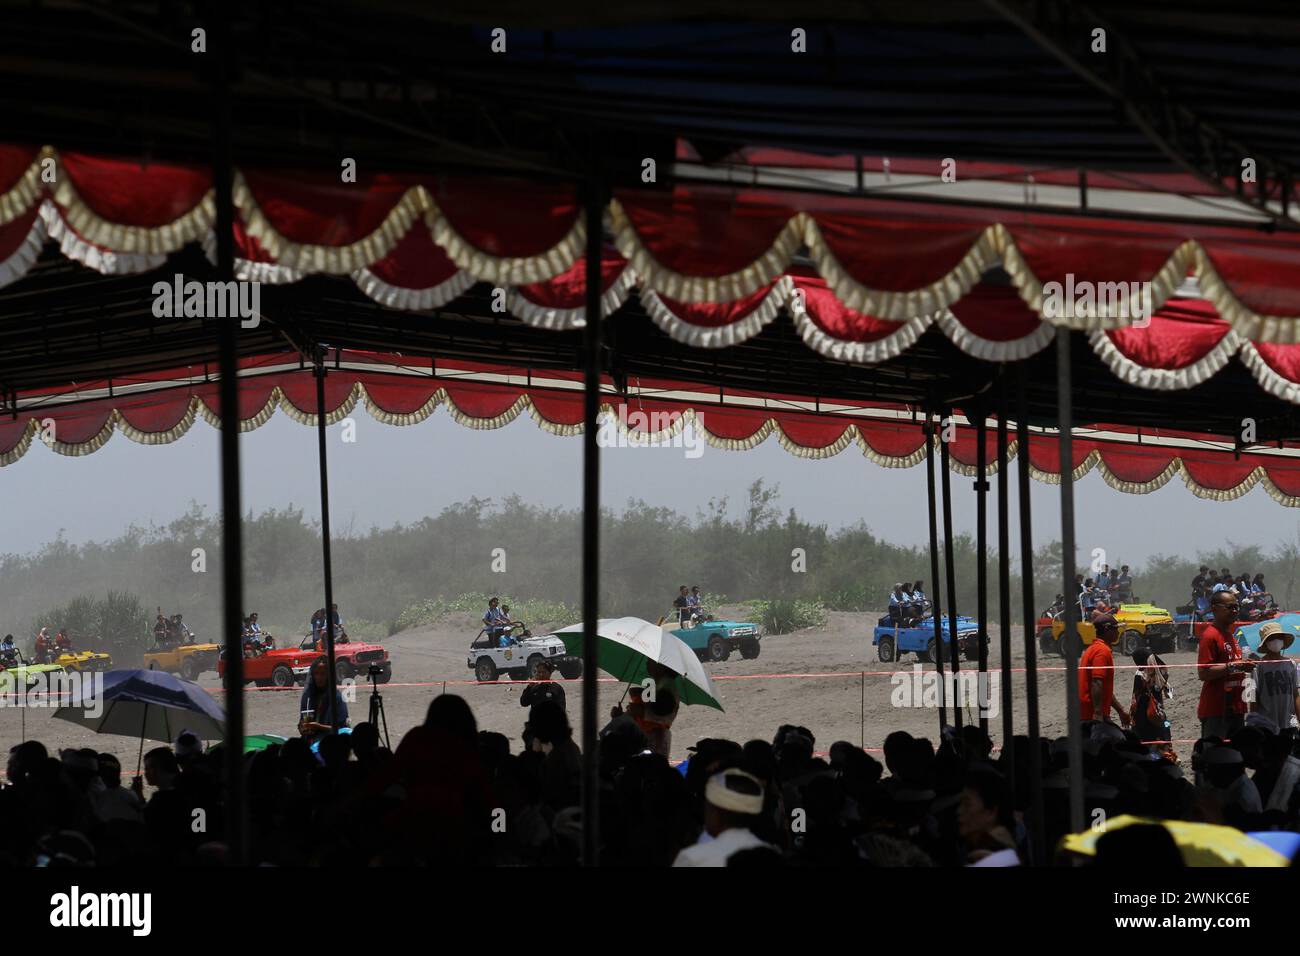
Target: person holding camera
[(543, 688)]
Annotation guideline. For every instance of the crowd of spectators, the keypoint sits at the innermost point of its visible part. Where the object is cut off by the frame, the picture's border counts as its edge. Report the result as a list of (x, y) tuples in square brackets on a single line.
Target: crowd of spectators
[(452, 794)]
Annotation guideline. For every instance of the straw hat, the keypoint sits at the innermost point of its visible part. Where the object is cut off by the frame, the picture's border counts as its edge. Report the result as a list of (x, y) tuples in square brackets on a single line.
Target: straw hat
[(1271, 629)]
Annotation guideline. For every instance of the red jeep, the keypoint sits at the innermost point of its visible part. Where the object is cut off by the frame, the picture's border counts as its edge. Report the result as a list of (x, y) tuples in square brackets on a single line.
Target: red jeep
[(286, 666)]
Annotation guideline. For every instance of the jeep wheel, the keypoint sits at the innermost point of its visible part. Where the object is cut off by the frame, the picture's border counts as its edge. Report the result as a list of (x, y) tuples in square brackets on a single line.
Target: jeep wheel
[(1046, 643), (531, 668), (936, 651), (571, 669), (1129, 642), (885, 650), (344, 670), (718, 649), (749, 649), (153, 665), (282, 676), (385, 672), (485, 671), (190, 669)]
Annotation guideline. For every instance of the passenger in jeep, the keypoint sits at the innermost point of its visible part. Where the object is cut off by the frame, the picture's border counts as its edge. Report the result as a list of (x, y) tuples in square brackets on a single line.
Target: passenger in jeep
[(497, 623), (179, 632), (898, 602), (683, 605), (698, 610), (919, 600), (1123, 586), (909, 606)]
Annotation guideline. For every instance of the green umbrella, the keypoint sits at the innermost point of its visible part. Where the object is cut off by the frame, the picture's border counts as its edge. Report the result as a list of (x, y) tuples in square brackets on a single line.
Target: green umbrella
[(261, 742), (625, 644)]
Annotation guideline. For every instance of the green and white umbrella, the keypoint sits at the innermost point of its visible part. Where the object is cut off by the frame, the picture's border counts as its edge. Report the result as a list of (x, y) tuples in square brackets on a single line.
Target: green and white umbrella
[(624, 644)]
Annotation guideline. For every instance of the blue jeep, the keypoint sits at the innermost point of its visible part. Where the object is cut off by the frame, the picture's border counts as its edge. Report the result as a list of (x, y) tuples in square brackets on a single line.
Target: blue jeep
[(891, 640), (713, 640)]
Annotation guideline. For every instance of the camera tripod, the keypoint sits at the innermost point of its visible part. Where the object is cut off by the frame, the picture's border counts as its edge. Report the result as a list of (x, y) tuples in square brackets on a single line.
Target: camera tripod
[(377, 718)]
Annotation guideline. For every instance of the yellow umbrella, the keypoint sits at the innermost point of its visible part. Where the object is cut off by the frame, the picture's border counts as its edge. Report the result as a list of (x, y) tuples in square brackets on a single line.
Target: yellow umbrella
[(1202, 844)]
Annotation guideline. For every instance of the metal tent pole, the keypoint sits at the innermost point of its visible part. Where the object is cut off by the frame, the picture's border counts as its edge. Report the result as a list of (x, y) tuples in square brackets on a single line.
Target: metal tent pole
[(1004, 585), (1070, 639), (1037, 830), (323, 459), (232, 545), (950, 576), (594, 203), (981, 562), (935, 604)]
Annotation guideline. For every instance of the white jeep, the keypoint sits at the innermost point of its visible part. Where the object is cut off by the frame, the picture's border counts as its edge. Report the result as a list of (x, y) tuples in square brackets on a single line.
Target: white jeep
[(521, 655)]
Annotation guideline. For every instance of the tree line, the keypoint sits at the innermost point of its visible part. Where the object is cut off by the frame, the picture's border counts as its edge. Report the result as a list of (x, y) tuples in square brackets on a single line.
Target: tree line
[(749, 550)]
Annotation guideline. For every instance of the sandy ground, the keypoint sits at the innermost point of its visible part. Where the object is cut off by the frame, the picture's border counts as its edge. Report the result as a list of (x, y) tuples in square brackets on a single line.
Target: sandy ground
[(857, 704)]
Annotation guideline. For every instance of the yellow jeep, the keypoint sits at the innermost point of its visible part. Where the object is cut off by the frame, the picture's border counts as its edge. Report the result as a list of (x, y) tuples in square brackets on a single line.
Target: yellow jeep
[(1140, 625), (187, 660), (84, 661)]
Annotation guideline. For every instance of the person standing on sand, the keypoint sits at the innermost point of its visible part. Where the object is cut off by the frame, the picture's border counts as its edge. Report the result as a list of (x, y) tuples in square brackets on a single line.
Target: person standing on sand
[(543, 688), (1150, 690), (1221, 670), (1276, 693), (1097, 675)]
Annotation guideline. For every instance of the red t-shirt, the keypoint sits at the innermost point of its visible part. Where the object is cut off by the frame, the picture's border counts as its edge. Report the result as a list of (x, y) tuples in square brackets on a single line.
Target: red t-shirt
[(1219, 648), (1097, 663)]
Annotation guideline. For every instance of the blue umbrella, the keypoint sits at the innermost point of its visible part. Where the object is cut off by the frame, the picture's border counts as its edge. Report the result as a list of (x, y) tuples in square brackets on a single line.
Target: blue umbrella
[(1248, 634), (151, 705), (1283, 841)]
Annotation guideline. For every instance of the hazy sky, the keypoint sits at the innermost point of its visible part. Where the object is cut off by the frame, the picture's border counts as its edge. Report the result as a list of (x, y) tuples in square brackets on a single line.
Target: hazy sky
[(399, 474)]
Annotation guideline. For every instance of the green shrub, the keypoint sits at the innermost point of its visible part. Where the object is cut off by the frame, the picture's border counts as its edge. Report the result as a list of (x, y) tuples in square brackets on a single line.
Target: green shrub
[(783, 616), (534, 611), (116, 624)]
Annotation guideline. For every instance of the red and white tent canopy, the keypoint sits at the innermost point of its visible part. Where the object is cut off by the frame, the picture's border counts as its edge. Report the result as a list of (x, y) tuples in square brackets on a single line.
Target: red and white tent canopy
[(860, 278), (161, 407)]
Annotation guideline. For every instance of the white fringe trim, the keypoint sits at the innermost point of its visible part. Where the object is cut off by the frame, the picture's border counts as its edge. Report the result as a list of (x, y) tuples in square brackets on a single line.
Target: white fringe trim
[(506, 270), (22, 259), (1269, 380), (695, 289), (859, 353), (717, 337), (412, 300), (990, 350), (564, 320), (1160, 379), (18, 200), (105, 261), (246, 270)]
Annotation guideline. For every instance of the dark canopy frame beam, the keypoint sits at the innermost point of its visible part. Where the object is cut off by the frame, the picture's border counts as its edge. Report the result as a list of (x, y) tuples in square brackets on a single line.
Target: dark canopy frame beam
[(1186, 138)]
